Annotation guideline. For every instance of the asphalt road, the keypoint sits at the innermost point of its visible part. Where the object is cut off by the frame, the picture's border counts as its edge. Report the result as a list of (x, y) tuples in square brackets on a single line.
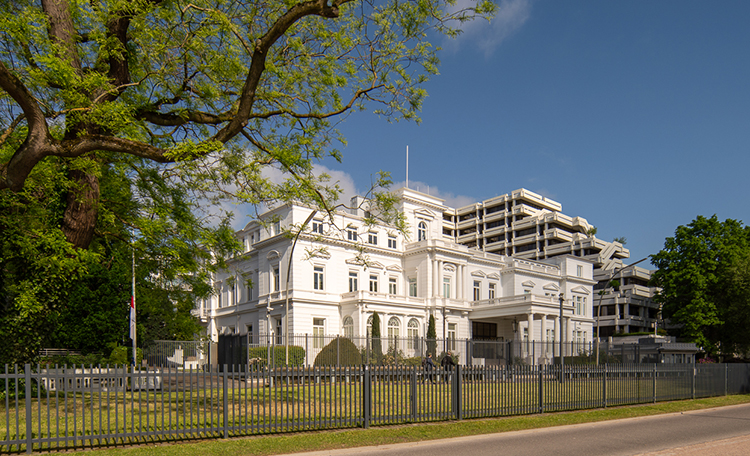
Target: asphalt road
[(720, 431)]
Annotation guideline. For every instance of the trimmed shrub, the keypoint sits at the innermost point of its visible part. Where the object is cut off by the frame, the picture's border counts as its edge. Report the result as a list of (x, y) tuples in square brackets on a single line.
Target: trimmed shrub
[(340, 351), (278, 356)]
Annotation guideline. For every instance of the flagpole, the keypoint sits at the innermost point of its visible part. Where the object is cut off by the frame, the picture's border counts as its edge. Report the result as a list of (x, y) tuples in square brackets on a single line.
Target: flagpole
[(407, 166), (133, 334)]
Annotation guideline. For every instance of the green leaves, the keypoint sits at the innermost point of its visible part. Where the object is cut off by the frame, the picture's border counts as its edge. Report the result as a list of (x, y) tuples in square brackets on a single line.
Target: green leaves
[(701, 273)]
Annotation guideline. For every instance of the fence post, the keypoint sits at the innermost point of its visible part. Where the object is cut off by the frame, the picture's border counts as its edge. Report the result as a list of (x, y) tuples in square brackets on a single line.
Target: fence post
[(693, 385), (414, 394), (456, 383), (366, 398), (604, 386), (726, 379), (541, 390), (656, 373), (225, 402), (29, 436)]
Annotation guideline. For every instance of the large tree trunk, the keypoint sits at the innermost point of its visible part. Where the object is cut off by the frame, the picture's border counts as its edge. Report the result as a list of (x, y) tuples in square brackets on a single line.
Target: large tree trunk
[(80, 215)]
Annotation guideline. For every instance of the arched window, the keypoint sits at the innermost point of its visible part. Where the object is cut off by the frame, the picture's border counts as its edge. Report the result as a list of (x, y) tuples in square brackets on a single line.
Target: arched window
[(348, 327), (369, 326), (394, 327), (421, 231), (412, 331)]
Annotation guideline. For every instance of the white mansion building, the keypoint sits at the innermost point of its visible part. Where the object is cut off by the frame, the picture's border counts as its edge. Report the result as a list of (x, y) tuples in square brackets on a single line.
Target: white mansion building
[(494, 270)]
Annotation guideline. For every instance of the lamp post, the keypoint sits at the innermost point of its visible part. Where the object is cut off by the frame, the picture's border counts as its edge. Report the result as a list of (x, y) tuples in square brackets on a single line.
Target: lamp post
[(562, 356), (286, 287), (599, 307)]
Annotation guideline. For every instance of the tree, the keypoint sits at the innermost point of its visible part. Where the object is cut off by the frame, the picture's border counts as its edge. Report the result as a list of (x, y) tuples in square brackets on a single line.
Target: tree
[(135, 121), (702, 272), (220, 90), (431, 336), (622, 240), (377, 347)]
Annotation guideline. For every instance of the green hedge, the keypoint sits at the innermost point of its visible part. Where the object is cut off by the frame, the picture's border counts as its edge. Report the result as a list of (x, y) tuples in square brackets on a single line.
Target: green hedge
[(340, 351), (278, 356)]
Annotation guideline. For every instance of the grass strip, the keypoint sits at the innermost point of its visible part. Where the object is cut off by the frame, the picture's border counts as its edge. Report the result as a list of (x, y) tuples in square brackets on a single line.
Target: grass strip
[(329, 440)]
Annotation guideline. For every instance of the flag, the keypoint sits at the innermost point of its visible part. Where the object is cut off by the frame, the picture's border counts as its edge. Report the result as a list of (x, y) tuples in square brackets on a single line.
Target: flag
[(132, 317)]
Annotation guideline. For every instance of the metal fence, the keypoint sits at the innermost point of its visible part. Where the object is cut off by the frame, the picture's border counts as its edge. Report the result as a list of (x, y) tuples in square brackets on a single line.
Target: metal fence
[(61, 408), (326, 350)]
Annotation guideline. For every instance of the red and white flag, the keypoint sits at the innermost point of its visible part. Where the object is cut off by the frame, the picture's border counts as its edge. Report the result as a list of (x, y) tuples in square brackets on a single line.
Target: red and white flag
[(132, 317)]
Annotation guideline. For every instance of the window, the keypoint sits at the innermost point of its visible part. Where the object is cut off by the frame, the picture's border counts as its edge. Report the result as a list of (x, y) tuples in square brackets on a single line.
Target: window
[(491, 291), (579, 305), (394, 327), (219, 292), (250, 334), (412, 331), (319, 331), (446, 287), (421, 231), (451, 336), (276, 229), (352, 281), (351, 234), (413, 287), (318, 278), (279, 332), (317, 226), (275, 279), (373, 283), (392, 285), (369, 326), (579, 271), (391, 241), (348, 327), (477, 290), (372, 238), (249, 284)]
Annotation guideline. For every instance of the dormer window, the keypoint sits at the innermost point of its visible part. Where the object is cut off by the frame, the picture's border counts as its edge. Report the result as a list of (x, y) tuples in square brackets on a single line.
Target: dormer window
[(317, 226)]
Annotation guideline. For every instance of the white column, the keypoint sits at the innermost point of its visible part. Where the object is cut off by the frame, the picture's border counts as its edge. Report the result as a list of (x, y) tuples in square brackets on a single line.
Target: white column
[(434, 278), (530, 318), (543, 335), (568, 329)]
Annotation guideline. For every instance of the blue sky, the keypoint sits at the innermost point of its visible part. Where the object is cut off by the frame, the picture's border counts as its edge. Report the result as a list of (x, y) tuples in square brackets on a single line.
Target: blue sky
[(633, 114)]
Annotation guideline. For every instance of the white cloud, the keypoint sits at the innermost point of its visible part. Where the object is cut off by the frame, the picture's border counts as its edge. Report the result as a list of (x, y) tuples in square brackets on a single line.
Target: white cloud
[(451, 200), (511, 15)]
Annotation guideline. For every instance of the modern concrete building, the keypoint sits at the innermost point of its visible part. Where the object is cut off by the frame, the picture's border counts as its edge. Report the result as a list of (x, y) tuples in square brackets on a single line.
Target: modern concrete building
[(340, 271), (527, 225)]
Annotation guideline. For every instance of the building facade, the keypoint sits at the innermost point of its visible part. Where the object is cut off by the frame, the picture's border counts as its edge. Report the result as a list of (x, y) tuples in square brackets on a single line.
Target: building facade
[(527, 225), (340, 271)]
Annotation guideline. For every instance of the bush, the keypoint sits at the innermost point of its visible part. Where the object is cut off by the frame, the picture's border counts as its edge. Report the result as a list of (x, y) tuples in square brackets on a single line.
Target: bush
[(92, 359), (340, 351), (278, 356), (414, 362), (124, 355)]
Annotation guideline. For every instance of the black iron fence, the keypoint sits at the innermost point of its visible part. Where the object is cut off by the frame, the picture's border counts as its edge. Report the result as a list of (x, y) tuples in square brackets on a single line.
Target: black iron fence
[(43, 408), (327, 350)]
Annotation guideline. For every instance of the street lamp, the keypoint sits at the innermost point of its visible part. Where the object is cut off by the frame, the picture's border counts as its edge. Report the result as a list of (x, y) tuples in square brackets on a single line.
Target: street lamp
[(599, 307), (286, 287)]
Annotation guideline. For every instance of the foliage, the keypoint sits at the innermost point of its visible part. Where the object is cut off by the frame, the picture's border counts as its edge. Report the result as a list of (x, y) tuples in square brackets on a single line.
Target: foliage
[(592, 231), (131, 124), (278, 355), (431, 336), (340, 351), (393, 356), (703, 273), (442, 355), (376, 344), (124, 355), (622, 240)]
